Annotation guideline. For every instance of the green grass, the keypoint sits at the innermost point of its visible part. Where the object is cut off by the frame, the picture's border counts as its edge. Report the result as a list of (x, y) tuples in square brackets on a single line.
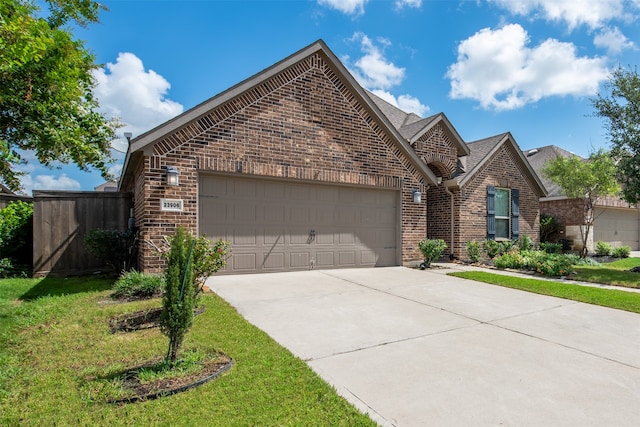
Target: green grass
[(612, 273), (623, 300), (55, 338)]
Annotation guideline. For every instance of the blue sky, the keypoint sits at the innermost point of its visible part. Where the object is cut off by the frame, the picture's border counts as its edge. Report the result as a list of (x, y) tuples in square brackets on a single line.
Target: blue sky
[(529, 67)]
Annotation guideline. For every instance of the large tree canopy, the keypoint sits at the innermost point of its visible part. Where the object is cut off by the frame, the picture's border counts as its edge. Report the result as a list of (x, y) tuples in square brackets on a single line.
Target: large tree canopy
[(47, 106), (620, 106), (588, 180)]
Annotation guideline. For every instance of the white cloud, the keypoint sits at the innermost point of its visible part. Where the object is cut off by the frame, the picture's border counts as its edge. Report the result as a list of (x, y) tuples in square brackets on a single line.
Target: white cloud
[(407, 103), (373, 70), (49, 182), (127, 91), (416, 4), (376, 73), (498, 69), (593, 13), (349, 7), (613, 40)]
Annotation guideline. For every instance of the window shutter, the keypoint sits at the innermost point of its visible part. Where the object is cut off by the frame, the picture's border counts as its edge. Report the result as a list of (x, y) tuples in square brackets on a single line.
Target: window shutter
[(515, 214), (491, 212)]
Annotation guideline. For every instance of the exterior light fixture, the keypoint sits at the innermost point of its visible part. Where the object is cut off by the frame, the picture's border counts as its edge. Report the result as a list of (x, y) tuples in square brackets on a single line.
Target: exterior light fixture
[(439, 180), (417, 196), (172, 176)]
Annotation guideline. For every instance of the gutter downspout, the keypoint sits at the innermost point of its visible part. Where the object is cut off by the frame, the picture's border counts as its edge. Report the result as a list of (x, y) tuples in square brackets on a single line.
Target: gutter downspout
[(446, 190)]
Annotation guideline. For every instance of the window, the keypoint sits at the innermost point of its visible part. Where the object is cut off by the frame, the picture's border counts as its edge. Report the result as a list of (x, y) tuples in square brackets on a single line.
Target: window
[(503, 213)]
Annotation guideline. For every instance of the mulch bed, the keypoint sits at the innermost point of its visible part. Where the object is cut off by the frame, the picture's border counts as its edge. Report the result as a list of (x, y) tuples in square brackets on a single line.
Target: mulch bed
[(143, 319), (138, 391)]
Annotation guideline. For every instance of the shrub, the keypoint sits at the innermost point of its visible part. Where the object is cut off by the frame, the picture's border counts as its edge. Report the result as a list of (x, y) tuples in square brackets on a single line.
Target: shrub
[(208, 258), (621, 252), (603, 248), (16, 230), (586, 261), (551, 248), (110, 246), (506, 246), (473, 251), (431, 249), (525, 243), (132, 285), (491, 248), (509, 260), (549, 227), (554, 265)]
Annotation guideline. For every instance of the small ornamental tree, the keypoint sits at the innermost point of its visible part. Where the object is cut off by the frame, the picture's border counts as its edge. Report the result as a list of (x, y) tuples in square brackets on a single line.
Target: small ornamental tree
[(179, 297), (587, 180)]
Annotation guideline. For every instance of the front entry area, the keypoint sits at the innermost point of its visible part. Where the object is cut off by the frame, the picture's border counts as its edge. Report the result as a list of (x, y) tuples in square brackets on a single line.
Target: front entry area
[(285, 226)]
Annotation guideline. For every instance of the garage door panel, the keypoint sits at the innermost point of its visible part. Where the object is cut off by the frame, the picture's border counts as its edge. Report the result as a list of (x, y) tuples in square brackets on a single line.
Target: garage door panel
[(346, 258), (274, 238), (368, 258), (323, 238), (273, 261), (244, 213), (244, 261), (269, 224), (325, 259), (245, 189), (300, 259), (274, 214), (243, 237)]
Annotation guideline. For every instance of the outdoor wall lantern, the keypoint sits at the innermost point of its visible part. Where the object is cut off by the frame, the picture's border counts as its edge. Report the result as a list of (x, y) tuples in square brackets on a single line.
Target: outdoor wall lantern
[(417, 196), (172, 176)]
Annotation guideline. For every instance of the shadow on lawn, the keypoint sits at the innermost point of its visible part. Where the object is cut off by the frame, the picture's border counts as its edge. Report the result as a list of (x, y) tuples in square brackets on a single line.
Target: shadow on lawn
[(55, 286)]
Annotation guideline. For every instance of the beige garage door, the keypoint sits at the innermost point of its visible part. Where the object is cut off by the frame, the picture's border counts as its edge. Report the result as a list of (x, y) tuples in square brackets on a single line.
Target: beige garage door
[(618, 227), (284, 226)]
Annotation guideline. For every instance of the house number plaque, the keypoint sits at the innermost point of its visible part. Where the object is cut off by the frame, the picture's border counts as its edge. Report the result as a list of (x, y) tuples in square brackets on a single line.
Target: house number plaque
[(171, 205)]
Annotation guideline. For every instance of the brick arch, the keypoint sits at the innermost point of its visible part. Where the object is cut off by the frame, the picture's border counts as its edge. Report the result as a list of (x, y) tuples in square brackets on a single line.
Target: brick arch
[(440, 164)]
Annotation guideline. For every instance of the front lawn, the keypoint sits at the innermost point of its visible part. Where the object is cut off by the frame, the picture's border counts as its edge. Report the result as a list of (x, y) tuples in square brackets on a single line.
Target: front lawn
[(623, 300), (55, 338), (612, 273)]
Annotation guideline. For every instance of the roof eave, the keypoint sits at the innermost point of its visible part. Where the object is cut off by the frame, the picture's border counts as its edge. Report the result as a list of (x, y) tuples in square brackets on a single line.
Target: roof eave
[(143, 141), (461, 146)]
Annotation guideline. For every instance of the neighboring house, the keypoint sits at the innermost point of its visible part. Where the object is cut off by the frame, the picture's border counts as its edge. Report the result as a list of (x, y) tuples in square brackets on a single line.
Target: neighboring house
[(7, 196), (616, 222), (300, 167), (108, 186)]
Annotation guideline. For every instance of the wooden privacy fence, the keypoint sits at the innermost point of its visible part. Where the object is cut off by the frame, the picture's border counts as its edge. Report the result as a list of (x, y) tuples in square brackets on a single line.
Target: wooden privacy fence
[(60, 221)]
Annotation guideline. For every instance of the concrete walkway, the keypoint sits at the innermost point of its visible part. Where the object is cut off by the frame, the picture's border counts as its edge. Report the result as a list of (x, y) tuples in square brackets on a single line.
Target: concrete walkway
[(419, 348)]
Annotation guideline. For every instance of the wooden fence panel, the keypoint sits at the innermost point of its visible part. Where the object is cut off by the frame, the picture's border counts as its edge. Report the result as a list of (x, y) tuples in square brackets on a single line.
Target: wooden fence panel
[(60, 221)]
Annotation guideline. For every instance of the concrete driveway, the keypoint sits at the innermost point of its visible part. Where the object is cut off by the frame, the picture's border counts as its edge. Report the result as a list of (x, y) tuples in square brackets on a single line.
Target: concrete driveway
[(418, 348)]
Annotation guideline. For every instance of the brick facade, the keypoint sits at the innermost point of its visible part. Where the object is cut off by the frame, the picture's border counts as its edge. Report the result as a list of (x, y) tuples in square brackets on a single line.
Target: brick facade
[(302, 124), (305, 121), (503, 170)]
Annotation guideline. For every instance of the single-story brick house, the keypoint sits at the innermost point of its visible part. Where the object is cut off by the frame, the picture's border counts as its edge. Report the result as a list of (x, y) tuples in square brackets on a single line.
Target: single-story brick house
[(615, 221), (300, 167)]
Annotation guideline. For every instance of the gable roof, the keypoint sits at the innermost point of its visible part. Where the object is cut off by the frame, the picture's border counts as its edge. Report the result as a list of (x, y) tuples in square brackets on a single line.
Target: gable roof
[(412, 127), (482, 151), (143, 143), (537, 157)]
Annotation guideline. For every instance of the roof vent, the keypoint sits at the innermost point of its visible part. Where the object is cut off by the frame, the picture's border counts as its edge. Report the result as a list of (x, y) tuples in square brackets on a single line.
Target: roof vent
[(532, 152)]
